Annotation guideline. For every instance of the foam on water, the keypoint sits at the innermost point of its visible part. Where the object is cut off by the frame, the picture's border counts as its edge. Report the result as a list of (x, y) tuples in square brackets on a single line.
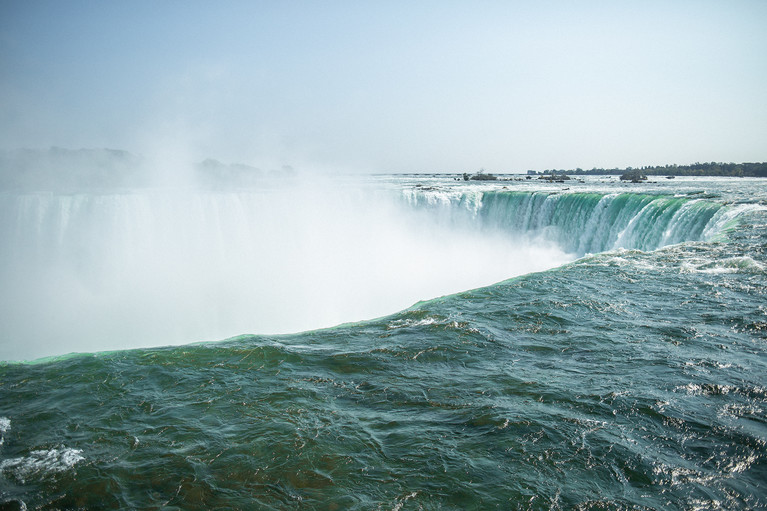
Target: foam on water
[(744, 264), (40, 463), (5, 426)]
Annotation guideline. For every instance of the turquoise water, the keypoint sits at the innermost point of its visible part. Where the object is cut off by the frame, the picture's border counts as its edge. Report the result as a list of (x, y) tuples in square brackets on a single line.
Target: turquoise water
[(632, 377)]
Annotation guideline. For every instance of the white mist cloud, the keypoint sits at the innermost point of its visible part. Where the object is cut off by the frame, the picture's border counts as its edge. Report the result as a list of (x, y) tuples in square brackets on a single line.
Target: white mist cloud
[(103, 271)]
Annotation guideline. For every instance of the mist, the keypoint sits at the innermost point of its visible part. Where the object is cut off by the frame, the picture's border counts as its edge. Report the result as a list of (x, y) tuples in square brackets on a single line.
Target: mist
[(118, 267)]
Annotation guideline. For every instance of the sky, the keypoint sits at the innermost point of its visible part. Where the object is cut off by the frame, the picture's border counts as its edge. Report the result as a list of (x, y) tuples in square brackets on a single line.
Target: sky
[(418, 86)]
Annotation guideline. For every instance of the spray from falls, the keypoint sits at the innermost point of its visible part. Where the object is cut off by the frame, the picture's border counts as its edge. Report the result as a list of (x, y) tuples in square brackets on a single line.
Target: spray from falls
[(103, 271)]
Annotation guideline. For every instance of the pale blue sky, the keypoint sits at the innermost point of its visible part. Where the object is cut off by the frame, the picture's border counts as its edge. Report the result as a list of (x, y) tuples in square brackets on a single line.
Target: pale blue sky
[(390, 86)]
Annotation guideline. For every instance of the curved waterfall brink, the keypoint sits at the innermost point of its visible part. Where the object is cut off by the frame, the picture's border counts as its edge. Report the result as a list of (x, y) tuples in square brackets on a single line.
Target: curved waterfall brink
[(581, 223)]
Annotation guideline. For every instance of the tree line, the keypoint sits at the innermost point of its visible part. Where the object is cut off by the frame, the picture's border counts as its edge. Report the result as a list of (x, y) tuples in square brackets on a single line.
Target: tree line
[(694, 169)]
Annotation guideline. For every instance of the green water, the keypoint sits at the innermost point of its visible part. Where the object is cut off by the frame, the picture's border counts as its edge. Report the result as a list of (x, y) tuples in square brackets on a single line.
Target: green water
[(629, 379)]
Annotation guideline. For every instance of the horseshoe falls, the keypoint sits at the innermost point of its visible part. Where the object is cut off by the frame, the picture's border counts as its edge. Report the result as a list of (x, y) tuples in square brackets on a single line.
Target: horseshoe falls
[(392, 342)]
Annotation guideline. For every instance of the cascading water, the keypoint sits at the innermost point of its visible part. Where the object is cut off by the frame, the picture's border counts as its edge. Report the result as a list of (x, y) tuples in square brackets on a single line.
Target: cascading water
[(582, 223)]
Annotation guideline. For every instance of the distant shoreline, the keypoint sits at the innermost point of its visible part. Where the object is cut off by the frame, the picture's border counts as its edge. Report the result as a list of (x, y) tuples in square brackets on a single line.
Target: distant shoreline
[(694, 169), (21, 168)]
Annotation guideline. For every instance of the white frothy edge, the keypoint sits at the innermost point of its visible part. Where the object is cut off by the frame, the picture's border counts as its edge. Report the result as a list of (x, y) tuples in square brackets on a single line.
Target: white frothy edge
[(41, 462), (729, 265), (5, 426)]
